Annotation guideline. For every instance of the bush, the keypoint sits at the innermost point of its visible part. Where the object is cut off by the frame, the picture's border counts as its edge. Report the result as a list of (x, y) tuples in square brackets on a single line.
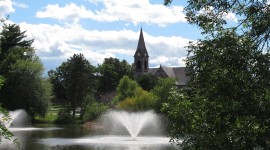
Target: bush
[(64, 117), (93, 111), (125, 89), (142, 100)]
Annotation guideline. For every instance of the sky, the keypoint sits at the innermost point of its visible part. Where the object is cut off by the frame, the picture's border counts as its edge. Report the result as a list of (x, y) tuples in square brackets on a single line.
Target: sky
[(104, 28)]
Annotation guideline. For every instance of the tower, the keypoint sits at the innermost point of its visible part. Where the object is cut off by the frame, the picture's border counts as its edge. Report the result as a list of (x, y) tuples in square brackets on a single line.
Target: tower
[(141, 57)]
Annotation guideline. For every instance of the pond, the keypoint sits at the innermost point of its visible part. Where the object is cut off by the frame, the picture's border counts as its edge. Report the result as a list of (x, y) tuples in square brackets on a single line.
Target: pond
[(76, 137), (115, 130)]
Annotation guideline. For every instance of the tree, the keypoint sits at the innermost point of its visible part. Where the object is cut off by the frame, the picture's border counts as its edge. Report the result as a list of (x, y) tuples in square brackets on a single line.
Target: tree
[(161, 91), (126, 88), (12, 37), (147, 81), (24, 87), (253, 17), (80, 80), (130, 96), (4, 119), (229, 106), (58, 79), (111, 71), (140, 100), (74, 81)]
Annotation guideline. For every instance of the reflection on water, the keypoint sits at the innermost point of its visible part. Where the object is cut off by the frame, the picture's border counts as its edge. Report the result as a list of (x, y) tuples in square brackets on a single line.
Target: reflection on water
[(49, 137)]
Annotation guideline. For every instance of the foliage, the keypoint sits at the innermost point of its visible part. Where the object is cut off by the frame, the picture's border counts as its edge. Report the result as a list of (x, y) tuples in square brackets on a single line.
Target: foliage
[(111, 71), (161, 91), (252, 17), (125, 88), (141, 100), (64, 117), (4, 119), (25, 87), (93, 111), (228, 107), (74, 81), (147, 81), (12, 37), (57, 78)]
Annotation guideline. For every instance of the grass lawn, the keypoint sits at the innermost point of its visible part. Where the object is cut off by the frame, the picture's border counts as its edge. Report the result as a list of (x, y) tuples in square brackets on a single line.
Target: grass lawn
[(51, 115)]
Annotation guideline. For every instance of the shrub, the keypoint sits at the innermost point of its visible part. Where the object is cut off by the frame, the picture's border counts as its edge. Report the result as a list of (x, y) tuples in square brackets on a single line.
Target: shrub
[(125, 89), (142, 100), (64, 117), (93, 111)]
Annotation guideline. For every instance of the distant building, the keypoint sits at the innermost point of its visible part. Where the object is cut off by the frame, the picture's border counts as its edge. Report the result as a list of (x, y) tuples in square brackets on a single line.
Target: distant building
[(141, 65)]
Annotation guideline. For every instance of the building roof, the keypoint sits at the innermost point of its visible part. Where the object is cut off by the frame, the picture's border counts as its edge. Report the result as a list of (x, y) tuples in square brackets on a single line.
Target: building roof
[(173, 72)]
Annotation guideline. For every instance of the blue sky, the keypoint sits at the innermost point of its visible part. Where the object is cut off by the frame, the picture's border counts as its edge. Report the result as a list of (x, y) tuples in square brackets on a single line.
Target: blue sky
[(103, 28)]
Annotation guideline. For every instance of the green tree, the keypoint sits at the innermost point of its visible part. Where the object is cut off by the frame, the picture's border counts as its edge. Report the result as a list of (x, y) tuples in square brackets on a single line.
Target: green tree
[(74, 82), (161, 91), (12, 37), (147, 81), (125, 88), (229, 106), (94, 110), (111, 71), (140, 100), (252, 17), (25, 87), (4, 119), (80, 81)]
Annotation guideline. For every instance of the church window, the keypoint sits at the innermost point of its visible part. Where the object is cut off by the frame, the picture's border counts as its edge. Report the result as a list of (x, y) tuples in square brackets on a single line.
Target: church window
[(145, 65), (138, 54), (138, 65)]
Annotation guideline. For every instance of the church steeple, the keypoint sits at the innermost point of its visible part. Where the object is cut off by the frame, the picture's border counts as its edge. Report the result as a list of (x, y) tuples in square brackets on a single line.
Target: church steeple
[(141, 44), (141, 57)]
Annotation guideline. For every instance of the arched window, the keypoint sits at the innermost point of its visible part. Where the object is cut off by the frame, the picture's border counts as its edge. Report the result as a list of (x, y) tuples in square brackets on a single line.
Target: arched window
[(138, 65), (145, 65)]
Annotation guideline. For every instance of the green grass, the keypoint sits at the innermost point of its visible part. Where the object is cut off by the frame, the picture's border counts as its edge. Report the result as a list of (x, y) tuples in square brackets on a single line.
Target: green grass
[(51, 115)]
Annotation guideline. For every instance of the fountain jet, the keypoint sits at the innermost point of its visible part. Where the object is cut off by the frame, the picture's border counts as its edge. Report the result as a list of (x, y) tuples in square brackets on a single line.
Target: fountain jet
[(146, 123)]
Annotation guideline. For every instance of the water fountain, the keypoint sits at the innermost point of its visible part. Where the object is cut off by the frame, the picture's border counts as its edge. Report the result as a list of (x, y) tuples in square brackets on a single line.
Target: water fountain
[(124, 130), (117, 130), (19, 118), (146, 123)]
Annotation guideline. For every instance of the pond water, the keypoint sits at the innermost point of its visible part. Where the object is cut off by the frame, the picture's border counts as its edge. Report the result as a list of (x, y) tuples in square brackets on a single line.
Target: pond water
[(75, 137)]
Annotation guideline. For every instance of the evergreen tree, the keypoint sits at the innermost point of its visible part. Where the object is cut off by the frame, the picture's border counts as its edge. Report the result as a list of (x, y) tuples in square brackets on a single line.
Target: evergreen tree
[(24, 87)]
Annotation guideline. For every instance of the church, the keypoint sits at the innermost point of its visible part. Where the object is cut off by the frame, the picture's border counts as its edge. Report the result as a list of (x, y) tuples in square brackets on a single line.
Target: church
[(141, 66)]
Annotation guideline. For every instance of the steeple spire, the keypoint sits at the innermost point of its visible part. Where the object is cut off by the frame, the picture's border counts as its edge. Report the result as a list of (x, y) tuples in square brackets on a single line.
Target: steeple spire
[(141, 57), (141, 44)]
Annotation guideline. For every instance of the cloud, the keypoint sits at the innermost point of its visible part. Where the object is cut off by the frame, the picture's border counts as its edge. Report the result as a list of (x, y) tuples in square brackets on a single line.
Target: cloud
[(5, 8), (57, 42), (229, 16), (20, 5), (121, 10), (70, 12)]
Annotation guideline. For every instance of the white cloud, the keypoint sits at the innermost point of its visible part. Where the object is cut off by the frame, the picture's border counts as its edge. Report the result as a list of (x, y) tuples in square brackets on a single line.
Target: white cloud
[(121, 10), (70, 12), (229, 16), (57, 42), (5, 8), (20, 5), (168, 61)]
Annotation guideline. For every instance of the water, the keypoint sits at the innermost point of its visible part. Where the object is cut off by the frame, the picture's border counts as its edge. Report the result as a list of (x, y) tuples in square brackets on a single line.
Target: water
[(128, 136), (129, 123), (19, 118)]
